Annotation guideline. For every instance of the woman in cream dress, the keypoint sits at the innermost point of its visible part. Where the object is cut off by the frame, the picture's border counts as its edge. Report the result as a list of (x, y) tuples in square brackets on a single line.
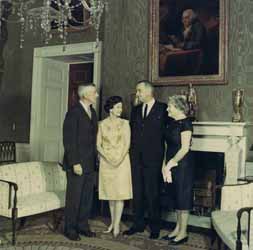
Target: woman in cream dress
[(115, 182)]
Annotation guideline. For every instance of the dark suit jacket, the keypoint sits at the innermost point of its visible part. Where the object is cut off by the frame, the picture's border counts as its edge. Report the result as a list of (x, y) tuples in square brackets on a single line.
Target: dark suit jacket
[(79, 139), (147, 136), (196, 38)]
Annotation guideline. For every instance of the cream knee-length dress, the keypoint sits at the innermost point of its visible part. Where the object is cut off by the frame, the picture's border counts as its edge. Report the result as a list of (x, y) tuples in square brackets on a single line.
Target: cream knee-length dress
[(113, 142)]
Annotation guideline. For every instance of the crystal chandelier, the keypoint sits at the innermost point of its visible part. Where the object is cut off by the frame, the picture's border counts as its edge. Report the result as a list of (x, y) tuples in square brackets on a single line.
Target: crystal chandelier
[(54, 16)]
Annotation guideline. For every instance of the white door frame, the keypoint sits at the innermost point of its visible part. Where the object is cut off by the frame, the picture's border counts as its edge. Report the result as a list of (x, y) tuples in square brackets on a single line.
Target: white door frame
[(47, 52)]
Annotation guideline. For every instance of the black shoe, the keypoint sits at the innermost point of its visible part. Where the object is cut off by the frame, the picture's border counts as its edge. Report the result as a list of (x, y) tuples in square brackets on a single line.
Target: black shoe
[(168, 238), (87, 233), (178, 242), (72, 236), (154, 235), (132, 231)]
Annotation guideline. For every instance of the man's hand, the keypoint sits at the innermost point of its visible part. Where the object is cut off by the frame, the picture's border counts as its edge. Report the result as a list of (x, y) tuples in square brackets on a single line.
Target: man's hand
[(77, 168), (169, 47)]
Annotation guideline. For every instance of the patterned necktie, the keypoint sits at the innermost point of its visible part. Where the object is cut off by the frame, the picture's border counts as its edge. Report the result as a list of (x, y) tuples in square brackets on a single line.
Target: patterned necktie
[(145, 111)]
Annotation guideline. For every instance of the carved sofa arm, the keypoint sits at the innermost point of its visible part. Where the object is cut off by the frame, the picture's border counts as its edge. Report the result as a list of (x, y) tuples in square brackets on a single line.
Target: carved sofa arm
[(15, 187)]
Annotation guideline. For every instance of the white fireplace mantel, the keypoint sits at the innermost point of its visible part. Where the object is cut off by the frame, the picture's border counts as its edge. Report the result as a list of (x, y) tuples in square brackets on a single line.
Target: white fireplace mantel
[(227, 137), (221, 128)]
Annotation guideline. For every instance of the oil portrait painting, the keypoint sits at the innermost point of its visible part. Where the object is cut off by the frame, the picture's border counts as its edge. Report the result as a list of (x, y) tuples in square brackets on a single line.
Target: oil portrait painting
[(188, 41)]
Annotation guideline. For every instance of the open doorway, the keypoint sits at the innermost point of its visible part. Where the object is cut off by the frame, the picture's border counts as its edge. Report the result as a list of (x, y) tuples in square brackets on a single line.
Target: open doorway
[(78, 73), (56, 75)]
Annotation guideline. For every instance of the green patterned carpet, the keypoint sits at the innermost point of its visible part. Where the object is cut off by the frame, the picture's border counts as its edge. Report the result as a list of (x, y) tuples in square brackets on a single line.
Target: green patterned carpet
[(37, 235)]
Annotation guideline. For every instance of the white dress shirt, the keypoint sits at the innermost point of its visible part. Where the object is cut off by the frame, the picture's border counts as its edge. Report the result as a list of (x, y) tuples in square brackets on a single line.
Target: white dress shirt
[(150, 105), (86, 108)]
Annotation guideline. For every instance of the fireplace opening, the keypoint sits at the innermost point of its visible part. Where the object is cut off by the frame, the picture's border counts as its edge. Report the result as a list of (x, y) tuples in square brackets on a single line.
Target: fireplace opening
[(209, 178)]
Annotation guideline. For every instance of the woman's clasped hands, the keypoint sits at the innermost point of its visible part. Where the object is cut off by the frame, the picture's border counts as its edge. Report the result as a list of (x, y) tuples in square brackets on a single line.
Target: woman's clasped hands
[(166, 171)]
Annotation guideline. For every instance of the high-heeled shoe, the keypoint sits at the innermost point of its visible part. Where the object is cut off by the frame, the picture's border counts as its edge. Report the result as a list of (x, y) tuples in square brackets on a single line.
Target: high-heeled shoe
[(116, 232), (109, 230), (178, 242), (168, 238)]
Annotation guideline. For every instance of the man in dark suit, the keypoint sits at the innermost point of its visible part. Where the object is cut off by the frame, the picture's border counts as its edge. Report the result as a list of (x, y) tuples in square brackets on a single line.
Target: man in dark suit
[(79, 139), (147, 151)]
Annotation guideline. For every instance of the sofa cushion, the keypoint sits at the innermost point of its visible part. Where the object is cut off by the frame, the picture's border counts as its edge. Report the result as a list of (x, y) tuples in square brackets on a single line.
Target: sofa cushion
[(225, 224), (37, 203), (34, 177)]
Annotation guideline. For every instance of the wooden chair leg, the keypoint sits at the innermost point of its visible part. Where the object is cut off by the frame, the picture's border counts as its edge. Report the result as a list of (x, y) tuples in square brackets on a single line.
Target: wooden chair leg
[(14, 222)]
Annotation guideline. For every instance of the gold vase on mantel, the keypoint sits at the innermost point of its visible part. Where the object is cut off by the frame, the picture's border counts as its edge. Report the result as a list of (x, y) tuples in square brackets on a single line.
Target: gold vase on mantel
[(238, 101), (192, 102)]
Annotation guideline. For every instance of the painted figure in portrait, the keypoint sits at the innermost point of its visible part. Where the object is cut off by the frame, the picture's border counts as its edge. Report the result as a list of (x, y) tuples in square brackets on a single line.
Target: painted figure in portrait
[(188, 37)]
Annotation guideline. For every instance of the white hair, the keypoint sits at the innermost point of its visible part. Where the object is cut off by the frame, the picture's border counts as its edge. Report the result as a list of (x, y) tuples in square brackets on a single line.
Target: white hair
[(191, 12), (84, 89)]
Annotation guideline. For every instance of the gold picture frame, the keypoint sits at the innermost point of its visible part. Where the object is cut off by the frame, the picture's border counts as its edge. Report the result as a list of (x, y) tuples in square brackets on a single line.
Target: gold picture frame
[(170, 64)]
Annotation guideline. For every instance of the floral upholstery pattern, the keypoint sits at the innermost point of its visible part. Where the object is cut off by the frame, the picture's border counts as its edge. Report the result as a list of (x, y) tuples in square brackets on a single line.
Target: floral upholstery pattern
[(235, 197), (41, 187)]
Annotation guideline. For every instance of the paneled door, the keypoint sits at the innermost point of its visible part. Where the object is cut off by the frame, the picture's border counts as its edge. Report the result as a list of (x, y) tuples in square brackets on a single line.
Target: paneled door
[(53, 106), (50, 87)]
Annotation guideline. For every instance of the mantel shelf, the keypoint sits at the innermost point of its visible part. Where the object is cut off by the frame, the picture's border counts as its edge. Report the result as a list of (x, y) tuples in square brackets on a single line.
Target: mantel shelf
[(229, 124), (220, 128)]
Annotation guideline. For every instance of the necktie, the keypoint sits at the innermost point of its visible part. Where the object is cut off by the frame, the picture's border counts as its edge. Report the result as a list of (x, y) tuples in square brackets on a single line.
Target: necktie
[(89, 112), (145, 111)]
